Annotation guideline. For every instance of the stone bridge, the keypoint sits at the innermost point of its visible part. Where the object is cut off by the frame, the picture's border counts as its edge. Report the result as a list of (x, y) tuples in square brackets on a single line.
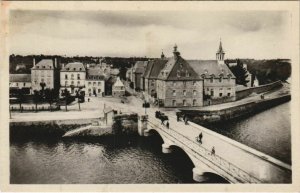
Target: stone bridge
[(233, 161)]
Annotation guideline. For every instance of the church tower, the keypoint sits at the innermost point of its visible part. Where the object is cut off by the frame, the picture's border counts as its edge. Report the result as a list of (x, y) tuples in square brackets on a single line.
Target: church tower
[(220, 54), (162, 56)]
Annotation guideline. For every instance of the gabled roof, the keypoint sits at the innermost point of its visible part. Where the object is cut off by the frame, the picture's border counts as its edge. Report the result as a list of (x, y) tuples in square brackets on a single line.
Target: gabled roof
[(178, 69), (45, 64), (73, 67), (139, 67), (20, 78), (154, 67), (118, 82), (208, 68)]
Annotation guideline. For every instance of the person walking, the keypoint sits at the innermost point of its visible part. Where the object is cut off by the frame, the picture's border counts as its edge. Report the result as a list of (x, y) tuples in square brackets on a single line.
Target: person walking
[(168, 125), (177, 117), (213, 152), (200, 137)]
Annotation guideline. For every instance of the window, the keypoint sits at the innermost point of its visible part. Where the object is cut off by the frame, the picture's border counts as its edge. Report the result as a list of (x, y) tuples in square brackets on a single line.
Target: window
[(174, 92), (220, 79), (78, 83), (66, 76), (187, 74), (66, 83), (184, 102), (211, 80), (194, 93), (99, 83), (194, 83), (90, 83), (228, 88), (220, 94), (174, 83), (99, 90), (228, 94), (194, 102), (24, 84), (90, 90), (17, 84), (184, 92), (211, 92), (94, 83), (44, 67), (174, 103), (74, 69), (207, 89), (72, 83), (78, 76), (80, 69), (121, 87), (50, 67)]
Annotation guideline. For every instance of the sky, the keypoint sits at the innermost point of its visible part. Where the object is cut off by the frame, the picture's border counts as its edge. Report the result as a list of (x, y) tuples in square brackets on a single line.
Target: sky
[(244, 34)]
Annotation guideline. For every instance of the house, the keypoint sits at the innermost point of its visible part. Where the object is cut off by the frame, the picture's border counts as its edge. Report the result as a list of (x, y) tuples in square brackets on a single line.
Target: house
[(178, 85), (45, 74), (118, 88), (20, 81), (150, 76), (72, 77), (95, 83), (137, 72)]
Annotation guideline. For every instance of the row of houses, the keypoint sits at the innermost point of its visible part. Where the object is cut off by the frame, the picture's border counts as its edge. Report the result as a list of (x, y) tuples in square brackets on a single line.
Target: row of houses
[(97, 80), (177, 82)]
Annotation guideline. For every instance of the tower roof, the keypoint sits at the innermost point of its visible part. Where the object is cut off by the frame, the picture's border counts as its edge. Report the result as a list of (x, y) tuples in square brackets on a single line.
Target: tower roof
[(220, 50)]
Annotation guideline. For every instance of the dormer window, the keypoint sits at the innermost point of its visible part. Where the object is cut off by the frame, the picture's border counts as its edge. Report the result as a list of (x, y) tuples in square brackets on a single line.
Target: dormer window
[(187, 73), (80, 69), (44, 67), (205, 71), (178, 73), (74, 69)]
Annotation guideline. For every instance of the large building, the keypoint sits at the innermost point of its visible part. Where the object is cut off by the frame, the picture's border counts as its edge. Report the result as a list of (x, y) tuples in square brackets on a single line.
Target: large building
[(137, 73), (72, 77), (20, 81), (95, 83), (44, 75), (178, 85)]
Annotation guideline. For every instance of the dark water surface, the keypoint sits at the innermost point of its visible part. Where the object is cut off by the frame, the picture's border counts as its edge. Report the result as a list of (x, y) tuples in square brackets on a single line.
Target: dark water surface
[(268, 131)]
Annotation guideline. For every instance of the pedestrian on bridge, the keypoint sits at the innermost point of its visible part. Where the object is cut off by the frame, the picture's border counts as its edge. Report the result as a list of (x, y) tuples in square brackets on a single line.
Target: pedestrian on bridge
[(168, 124), (213, 152), (200, 137)]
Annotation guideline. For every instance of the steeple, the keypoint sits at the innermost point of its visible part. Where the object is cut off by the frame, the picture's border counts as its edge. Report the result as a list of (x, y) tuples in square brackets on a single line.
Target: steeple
[(162, 56), (220, 53), (175, 52)]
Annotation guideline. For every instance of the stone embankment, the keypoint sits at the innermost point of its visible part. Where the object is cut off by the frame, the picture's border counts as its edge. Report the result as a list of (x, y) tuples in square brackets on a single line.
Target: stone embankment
[(235, 111)]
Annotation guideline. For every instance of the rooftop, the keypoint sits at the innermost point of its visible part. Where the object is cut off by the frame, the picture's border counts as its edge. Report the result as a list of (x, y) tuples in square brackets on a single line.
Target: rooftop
[(44, 64), (20, 78), (74, 66)]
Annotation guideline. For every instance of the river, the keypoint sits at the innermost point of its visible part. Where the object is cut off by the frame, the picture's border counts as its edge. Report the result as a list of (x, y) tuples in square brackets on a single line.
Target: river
[(42, 159)]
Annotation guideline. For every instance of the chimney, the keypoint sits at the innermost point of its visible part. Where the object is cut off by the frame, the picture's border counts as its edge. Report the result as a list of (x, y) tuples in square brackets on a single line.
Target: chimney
[(33, 62), (175, 52), (55, 63)]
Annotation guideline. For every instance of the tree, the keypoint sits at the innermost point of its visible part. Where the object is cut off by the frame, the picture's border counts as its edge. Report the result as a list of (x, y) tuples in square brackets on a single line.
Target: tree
[(240, 73), (49, 96), (66, 94), (36, 98), (43, 85), (21, 97)]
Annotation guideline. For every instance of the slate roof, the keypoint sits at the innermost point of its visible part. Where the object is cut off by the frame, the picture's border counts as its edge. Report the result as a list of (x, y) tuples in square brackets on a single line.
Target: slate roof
[(139, 67), (178, 69), (44, 64), (73, 67), (209, 68), (154, 67), (20, 78)]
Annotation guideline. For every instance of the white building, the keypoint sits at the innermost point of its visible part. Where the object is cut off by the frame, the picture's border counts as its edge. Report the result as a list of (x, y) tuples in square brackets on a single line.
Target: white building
[(72, 77), (20, 81), (43, 74), (95, 83), (118, 88)]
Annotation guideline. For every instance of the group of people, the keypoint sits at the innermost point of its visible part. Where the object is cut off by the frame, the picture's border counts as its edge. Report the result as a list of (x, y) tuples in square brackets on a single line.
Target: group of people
[(185, 118), (199, 139)]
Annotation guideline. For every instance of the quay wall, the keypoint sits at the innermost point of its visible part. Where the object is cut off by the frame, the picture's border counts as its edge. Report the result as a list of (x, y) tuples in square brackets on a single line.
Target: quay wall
[(214, 116), (260, 89)]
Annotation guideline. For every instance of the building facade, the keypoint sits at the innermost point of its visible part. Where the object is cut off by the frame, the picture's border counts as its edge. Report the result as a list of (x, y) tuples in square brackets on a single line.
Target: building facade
[(44, 75), (178, 85), (72, 77), (94, 83), (20, 81), (118, 88)]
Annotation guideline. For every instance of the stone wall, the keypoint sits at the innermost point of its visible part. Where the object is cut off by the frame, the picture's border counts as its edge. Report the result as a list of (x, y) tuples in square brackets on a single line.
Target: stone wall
[(260, 89)]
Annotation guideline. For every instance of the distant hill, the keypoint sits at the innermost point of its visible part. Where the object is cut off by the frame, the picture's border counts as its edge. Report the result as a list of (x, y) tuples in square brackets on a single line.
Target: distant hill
[(267, 71)]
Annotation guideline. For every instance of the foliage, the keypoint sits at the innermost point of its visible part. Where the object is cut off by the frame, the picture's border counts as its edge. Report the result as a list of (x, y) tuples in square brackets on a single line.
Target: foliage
[(240, 73)]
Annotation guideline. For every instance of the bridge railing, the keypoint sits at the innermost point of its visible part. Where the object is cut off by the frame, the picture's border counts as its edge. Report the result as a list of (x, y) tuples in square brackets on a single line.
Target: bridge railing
[(216, 160)]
